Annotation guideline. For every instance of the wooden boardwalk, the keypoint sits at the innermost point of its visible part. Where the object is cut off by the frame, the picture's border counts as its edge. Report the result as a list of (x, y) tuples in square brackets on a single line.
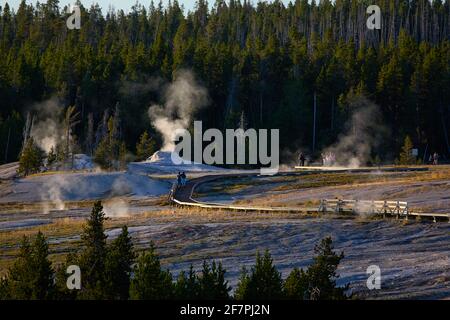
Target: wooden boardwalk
[(182, 195), (360, 169)]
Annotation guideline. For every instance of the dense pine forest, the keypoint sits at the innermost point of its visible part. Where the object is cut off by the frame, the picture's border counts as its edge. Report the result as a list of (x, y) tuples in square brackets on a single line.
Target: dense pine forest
[(263, 66)]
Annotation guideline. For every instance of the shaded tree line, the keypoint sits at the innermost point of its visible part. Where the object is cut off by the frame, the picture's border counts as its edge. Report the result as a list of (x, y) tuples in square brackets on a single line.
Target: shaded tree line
[(114, 271), (265, 61), (109, 151)]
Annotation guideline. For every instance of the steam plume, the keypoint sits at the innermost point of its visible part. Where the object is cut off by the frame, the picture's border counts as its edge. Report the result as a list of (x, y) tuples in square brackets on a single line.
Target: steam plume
[(47, 130), (116, 208), (182, 98), (363, 134)]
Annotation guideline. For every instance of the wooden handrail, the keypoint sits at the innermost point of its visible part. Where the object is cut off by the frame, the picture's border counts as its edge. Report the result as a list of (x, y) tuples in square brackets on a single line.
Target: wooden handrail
[(376, 207)]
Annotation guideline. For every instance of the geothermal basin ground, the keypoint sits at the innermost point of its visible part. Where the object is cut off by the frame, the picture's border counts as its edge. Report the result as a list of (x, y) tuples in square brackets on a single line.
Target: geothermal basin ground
[(413, 256)]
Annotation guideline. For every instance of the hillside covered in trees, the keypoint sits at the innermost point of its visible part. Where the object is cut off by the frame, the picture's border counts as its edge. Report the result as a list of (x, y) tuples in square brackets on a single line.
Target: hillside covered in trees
[(262, 64)]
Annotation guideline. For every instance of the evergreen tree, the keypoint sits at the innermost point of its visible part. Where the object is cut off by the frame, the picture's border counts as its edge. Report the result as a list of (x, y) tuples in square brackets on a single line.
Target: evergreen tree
[(102, 155), (122, 156), (92, 258), (118, 266), (149, 281), (31, 276), (406, 156), (111, 152), (242, 289), (51, 157), (296, 285), (212, 284), (145, 147), (264, 281), (61, 276), (187, 287), (31, 158), (322, 275)]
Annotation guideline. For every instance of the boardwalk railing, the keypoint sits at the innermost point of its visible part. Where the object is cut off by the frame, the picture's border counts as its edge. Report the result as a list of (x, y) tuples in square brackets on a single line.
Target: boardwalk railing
[(182, 196), (384, 207), (218, 206), (399, 209)]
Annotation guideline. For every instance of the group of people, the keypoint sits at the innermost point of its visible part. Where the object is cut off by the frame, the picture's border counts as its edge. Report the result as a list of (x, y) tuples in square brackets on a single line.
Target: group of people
[(433, 159), (328, 159), (181, 179)]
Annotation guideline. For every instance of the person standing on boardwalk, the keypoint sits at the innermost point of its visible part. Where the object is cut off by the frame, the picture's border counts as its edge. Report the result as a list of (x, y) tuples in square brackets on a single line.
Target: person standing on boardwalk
[(179, 182), (435, 158), (183, 179), (302, 159)]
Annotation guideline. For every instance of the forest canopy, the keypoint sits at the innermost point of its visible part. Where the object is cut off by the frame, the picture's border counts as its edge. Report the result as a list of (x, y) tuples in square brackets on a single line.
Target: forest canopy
[(262, 64)]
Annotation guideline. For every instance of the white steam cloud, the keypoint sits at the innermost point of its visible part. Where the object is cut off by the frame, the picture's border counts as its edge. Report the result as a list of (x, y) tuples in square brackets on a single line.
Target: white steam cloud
[(47, 129), (182, 98), (52, 193), (364, 132), (116, 208)]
